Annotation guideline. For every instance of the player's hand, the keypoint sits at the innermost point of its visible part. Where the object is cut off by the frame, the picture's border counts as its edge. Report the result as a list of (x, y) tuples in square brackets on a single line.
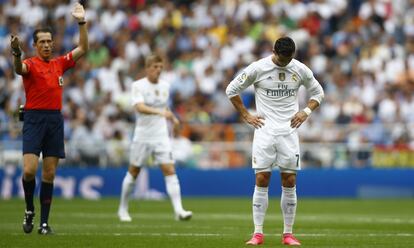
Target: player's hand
[(299, 118), (15, 43), (78, 12), (175, 121), (255, 121), (170, 116)]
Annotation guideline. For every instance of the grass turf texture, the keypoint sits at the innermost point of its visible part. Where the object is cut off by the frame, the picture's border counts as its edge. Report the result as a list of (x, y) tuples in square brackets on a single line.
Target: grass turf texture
[(217, 222)]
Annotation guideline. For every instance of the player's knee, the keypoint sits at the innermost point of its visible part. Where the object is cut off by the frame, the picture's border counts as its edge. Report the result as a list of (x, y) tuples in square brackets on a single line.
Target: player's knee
[(168, 169), (134, 171), (288, 180), (262, 179), (48, 176), (29, 175)]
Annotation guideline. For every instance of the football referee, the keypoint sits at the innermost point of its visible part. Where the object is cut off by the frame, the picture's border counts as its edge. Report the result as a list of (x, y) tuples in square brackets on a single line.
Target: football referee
[(43, 121)]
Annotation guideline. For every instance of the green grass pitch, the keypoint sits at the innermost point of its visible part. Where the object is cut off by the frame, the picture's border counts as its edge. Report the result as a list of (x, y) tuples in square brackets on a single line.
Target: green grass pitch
[(217, 222)]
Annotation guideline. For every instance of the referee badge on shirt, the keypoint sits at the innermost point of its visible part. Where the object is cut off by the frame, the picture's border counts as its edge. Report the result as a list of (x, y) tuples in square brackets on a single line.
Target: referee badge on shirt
[(282, 76), (60, 81)]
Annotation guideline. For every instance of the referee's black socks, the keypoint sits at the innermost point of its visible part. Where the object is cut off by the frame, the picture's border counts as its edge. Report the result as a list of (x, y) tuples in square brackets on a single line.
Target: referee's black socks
[(46, 192), (29, 188)]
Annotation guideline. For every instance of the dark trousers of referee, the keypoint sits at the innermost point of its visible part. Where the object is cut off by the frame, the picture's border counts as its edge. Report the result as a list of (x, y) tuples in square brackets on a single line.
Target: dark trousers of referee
[(42, 133)]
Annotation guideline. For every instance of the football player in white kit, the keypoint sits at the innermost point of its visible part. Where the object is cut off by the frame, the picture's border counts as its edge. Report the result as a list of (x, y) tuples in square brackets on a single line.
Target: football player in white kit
[(276, 80), (151, 138)]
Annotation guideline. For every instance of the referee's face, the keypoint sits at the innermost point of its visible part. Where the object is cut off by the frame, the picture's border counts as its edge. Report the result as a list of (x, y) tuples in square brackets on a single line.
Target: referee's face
[(154, 71), (44, 45)]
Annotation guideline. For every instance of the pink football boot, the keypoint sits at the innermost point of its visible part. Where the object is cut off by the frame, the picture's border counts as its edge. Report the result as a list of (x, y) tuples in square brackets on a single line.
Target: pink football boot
[(257, 239), (289, 239)]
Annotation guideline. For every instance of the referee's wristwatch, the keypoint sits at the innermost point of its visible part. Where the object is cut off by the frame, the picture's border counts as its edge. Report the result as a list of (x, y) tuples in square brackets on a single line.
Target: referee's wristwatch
[(16, 52)]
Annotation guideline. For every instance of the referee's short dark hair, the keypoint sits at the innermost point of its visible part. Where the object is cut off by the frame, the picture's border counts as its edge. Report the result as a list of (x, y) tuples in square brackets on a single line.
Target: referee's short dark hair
[(285, 46), (41, 30)]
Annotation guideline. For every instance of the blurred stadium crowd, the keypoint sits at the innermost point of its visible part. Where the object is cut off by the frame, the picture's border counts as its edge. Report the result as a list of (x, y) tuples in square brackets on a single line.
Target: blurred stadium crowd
[(360, 51)]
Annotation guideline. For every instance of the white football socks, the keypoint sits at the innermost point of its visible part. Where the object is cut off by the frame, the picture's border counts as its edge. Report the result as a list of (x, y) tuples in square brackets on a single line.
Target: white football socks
[(173, 189), (127, 185), (288, 204), (260, 204)]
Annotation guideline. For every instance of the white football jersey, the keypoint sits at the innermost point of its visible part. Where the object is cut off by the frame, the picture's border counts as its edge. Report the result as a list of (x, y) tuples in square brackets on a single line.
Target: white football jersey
[(150, 127), (276, 90)]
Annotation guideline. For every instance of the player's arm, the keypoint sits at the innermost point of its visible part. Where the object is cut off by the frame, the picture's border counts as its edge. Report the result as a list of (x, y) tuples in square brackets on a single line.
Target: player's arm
[(237, 85), (255, 121), (316, 97), (145, 109), (19, 66), (83, 46)]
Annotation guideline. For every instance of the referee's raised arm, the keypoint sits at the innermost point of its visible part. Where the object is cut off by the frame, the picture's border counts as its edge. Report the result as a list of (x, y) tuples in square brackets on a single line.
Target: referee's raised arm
[(19, 67), (79, 14)]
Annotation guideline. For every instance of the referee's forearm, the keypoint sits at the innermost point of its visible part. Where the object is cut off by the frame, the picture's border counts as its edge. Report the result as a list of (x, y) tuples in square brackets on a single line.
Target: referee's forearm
[(83, 38), (18, 65)]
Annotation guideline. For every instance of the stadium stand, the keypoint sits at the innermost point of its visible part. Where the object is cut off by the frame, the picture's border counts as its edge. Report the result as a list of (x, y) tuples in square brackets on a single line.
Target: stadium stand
[(361, 51)]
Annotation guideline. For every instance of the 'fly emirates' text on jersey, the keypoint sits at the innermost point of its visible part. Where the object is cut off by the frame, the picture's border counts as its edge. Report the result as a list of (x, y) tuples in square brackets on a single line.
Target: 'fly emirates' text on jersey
[(276, 90), (150, 127)]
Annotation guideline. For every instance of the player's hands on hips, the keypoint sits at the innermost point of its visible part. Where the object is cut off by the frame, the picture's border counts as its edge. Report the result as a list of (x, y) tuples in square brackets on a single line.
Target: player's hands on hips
[(255, 121), (14, 43), (78, 12), (299, 118)]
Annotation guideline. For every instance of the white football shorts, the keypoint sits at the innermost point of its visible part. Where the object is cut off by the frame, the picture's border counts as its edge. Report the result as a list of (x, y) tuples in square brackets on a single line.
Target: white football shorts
[(271, 151), (140, 152)]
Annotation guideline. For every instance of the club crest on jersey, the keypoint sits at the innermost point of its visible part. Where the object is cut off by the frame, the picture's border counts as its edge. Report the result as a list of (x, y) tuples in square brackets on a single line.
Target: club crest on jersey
[(61, 81), (282, 76), (294, 77)]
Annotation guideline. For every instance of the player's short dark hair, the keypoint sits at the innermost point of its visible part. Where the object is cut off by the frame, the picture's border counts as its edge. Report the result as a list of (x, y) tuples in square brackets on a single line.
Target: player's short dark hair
[(41, 30), (285, 46), (151, 59)]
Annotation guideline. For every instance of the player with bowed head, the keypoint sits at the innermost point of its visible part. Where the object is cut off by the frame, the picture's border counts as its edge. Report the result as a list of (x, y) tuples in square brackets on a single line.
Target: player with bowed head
[(276, 80), (43, 121), (151, 138)]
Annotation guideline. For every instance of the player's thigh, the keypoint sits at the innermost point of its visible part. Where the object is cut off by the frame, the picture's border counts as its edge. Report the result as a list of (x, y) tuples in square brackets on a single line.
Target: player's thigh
[(263, 152), (139, 153), (54, 145), (163, 153), (288, 152)]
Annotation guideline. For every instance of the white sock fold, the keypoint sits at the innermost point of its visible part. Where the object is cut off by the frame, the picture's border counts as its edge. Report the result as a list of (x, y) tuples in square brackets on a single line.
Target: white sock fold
[(127, 185), (260, 204), (174, 192), (288, 204)]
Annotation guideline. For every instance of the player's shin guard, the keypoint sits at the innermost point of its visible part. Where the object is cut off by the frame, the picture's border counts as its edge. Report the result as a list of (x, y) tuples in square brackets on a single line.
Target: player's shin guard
[(127, 185), (46, 192), (29, 187), (260, 203), (174, 192), (288, 204)]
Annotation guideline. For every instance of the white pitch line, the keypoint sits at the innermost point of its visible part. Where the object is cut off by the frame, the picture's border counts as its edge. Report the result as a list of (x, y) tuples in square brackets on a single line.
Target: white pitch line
[(271, 217), (351, 235)]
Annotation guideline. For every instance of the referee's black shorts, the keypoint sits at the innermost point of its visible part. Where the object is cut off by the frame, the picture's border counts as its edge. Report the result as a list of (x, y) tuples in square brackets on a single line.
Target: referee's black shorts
[(43, 133)]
